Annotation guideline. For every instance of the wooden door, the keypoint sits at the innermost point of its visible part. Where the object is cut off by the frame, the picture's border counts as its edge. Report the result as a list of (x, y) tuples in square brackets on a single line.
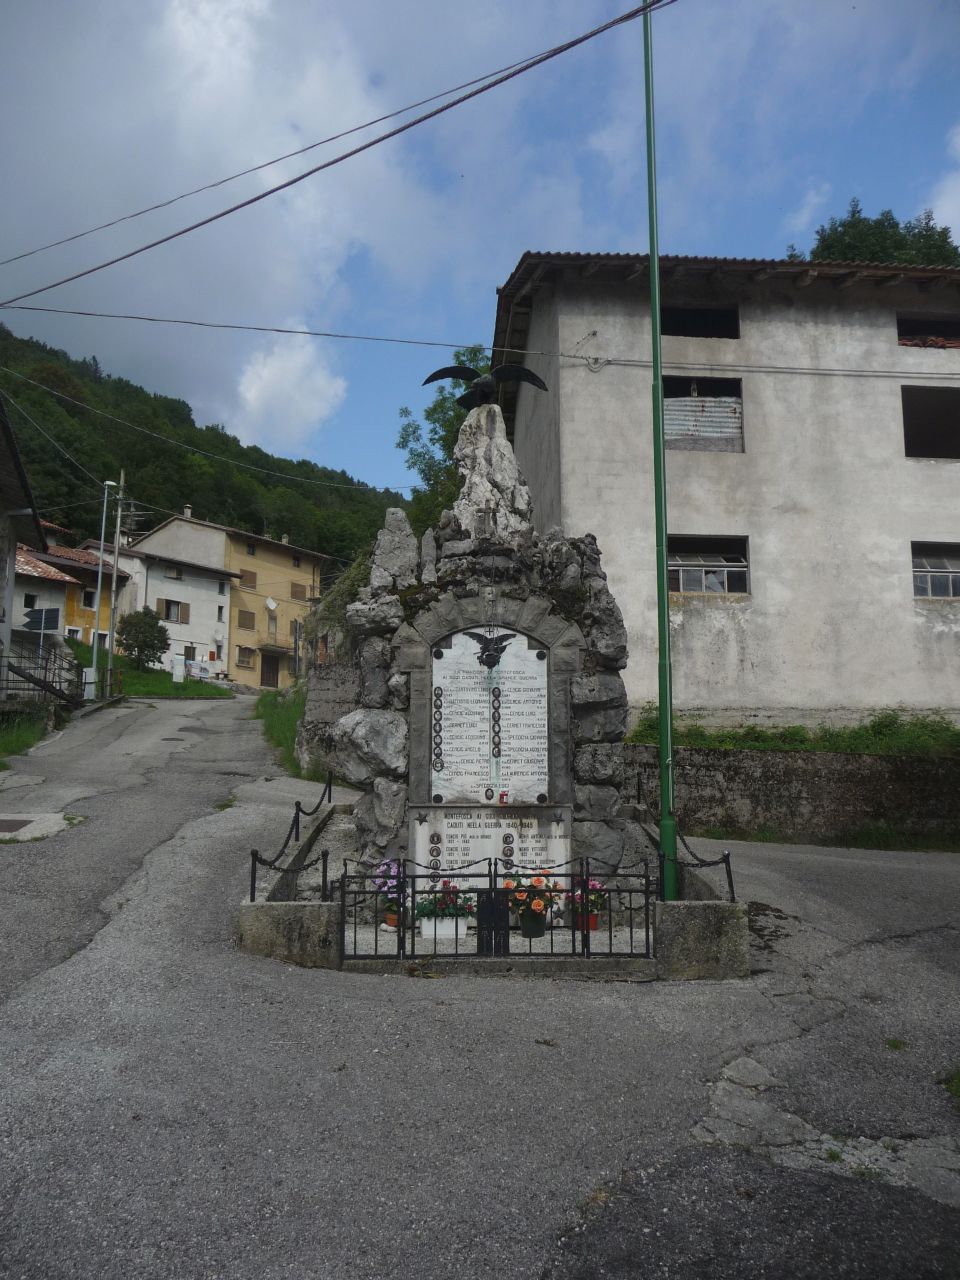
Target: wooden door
[(269, 671)]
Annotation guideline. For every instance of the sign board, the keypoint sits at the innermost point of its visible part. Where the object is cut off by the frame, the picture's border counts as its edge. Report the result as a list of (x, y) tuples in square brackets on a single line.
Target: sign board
[(489, 734), (42, 620), (197, 670), (449, 843)]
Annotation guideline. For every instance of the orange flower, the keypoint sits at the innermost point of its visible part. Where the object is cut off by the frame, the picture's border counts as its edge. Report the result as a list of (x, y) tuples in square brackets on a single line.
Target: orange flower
[(509, 884), (521, 897), (538, 882), (537, 905)]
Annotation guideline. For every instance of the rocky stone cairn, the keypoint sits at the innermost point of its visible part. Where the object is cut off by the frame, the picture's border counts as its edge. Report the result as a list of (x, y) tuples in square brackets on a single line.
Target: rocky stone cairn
[(485, 547)]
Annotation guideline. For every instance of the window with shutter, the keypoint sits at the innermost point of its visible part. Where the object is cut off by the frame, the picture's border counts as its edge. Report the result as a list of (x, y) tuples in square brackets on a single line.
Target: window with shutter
[(298, 591), (248, 579), (246, 620)]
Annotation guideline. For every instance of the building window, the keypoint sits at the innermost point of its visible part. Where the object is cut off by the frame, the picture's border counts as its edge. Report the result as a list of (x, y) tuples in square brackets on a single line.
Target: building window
[(294, 625), (245, 656), (291, 666), (89, 598), (296, 562), (931, 422), (189, 653), (936, 570), (700, 322), (73, 633), (222, 587), (298, 591), (272, 627), (173, 571), (939, 332), (29, 600), (251, 548), (218, 652), (703, 413), (246, 620), (708, 565), (219, 612), (171, 611), (248, 579)]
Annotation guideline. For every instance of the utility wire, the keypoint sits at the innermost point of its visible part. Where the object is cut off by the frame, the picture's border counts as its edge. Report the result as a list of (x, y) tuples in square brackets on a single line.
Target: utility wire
[(217, 457), (60, 449), (267, 164), (346, 155)]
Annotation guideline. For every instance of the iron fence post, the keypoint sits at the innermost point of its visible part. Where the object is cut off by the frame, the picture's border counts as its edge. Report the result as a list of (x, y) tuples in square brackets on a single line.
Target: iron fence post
[(296, 822), (253, 875)]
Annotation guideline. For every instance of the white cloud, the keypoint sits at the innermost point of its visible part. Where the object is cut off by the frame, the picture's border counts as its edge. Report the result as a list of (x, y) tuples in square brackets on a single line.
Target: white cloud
[(945, 200), (285, 393), (811, 204)]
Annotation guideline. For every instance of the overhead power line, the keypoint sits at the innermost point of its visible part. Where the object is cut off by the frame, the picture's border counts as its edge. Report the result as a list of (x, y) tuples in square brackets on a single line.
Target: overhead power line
[(346, 155), (60, 449), (267, 164), (217, 457)]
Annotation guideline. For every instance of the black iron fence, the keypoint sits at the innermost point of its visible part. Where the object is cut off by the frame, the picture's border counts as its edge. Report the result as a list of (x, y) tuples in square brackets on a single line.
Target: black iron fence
[(487, 912)]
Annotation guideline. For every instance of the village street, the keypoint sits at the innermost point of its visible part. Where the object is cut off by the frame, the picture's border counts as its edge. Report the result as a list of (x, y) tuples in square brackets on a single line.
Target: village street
[(171, 1107)]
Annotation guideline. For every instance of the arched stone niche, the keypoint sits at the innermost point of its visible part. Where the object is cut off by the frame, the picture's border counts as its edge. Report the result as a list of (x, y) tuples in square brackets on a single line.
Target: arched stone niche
[(413, 645)]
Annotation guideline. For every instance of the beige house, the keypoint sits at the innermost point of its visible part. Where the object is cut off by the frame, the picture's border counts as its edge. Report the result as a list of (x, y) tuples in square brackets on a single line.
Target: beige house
[(268, 583)]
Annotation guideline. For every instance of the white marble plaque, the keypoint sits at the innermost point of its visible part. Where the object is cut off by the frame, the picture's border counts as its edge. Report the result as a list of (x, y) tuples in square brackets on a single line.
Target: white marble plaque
[(489, 741), (451, 843)]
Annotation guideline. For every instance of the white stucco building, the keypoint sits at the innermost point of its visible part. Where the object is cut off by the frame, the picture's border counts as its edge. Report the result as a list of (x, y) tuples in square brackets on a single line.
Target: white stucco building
[(813, 469)]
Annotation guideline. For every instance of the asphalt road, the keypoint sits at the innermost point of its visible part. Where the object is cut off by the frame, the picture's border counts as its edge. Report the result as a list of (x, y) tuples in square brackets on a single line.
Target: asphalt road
[(171, 1107)]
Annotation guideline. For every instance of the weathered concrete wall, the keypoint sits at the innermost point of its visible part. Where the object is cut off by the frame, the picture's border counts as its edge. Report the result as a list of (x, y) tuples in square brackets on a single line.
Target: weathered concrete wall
[(810, 794), (823, 492), (303, 933), (333, 690)]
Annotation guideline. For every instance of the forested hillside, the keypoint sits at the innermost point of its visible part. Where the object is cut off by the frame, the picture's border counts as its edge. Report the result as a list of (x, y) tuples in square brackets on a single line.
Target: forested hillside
[(337, 521)]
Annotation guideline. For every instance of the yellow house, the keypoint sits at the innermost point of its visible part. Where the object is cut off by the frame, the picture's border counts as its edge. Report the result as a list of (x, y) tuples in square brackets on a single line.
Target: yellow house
[(268, 604), (270, 585), (79, 610)]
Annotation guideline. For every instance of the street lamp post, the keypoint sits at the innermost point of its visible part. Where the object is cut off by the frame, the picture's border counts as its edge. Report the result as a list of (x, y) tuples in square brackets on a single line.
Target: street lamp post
[(668, 821), (107, 485)]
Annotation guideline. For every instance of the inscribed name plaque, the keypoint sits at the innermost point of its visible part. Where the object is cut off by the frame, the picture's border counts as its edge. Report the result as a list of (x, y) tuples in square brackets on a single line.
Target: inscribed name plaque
[(456, 843), (489, 740)]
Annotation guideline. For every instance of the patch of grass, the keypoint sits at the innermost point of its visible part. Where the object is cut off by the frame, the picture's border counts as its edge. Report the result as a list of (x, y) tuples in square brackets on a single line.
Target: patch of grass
[(895, 1044), (951, 1083), (834, 1156), (226, 804), (17, 736), (150, 683), (887, 733), (281, 712), (864, 1171)]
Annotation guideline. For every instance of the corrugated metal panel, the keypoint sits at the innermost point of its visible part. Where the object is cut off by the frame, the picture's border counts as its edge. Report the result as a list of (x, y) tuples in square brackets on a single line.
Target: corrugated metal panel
[(704, 422)]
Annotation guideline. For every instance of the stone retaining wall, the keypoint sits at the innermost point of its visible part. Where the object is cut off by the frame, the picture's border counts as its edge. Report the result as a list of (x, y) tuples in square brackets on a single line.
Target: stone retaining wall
[(806, 794)]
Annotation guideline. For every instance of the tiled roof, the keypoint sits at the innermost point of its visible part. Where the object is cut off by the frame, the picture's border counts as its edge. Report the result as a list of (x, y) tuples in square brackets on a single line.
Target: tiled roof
[(234, 533), (28, 566), (81, 557)]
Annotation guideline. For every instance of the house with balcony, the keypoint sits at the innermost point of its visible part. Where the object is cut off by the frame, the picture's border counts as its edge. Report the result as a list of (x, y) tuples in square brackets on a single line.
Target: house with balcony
[(267, 588), (812, 421)]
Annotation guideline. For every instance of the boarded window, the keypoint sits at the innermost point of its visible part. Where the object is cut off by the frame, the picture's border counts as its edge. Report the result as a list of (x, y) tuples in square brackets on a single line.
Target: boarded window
[(703, 413), (936, 570), (700, 322), (245, 656), (708, 565), (248, 579), (938, 332), (246, 620), (298, 591), (931, 422)]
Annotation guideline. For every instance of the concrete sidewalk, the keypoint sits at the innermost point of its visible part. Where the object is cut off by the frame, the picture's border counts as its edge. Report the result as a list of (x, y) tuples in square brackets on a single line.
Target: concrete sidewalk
[(173, 1108)]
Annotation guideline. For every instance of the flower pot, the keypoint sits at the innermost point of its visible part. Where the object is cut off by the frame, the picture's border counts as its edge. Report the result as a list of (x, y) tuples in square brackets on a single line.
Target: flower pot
[(532, 925), (391, 919), (590, 921), (447, 928)]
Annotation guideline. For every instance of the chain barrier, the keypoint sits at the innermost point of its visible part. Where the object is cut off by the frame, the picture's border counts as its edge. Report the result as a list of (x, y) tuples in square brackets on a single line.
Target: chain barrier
[(293, 833)]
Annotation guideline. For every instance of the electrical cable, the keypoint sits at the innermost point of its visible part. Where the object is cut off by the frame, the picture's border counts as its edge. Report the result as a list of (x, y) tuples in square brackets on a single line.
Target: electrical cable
[(267, 164), (217, 457), (632, 14)]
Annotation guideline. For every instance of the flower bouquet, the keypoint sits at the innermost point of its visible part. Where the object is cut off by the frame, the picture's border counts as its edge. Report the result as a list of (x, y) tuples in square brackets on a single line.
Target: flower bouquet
[(587, 901), (533, 899), (445, 912), (386, 881)]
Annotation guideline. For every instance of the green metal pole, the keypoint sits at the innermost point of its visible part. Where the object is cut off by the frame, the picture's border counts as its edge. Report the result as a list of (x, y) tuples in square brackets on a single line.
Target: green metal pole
[(668, 822)]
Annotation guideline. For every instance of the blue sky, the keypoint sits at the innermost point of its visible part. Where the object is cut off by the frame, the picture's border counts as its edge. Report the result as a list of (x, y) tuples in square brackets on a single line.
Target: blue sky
[(770, 116)]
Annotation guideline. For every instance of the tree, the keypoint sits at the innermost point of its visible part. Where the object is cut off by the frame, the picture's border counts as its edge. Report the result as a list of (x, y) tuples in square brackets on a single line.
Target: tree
[(143, 636), (918, 242), (432, 458)]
